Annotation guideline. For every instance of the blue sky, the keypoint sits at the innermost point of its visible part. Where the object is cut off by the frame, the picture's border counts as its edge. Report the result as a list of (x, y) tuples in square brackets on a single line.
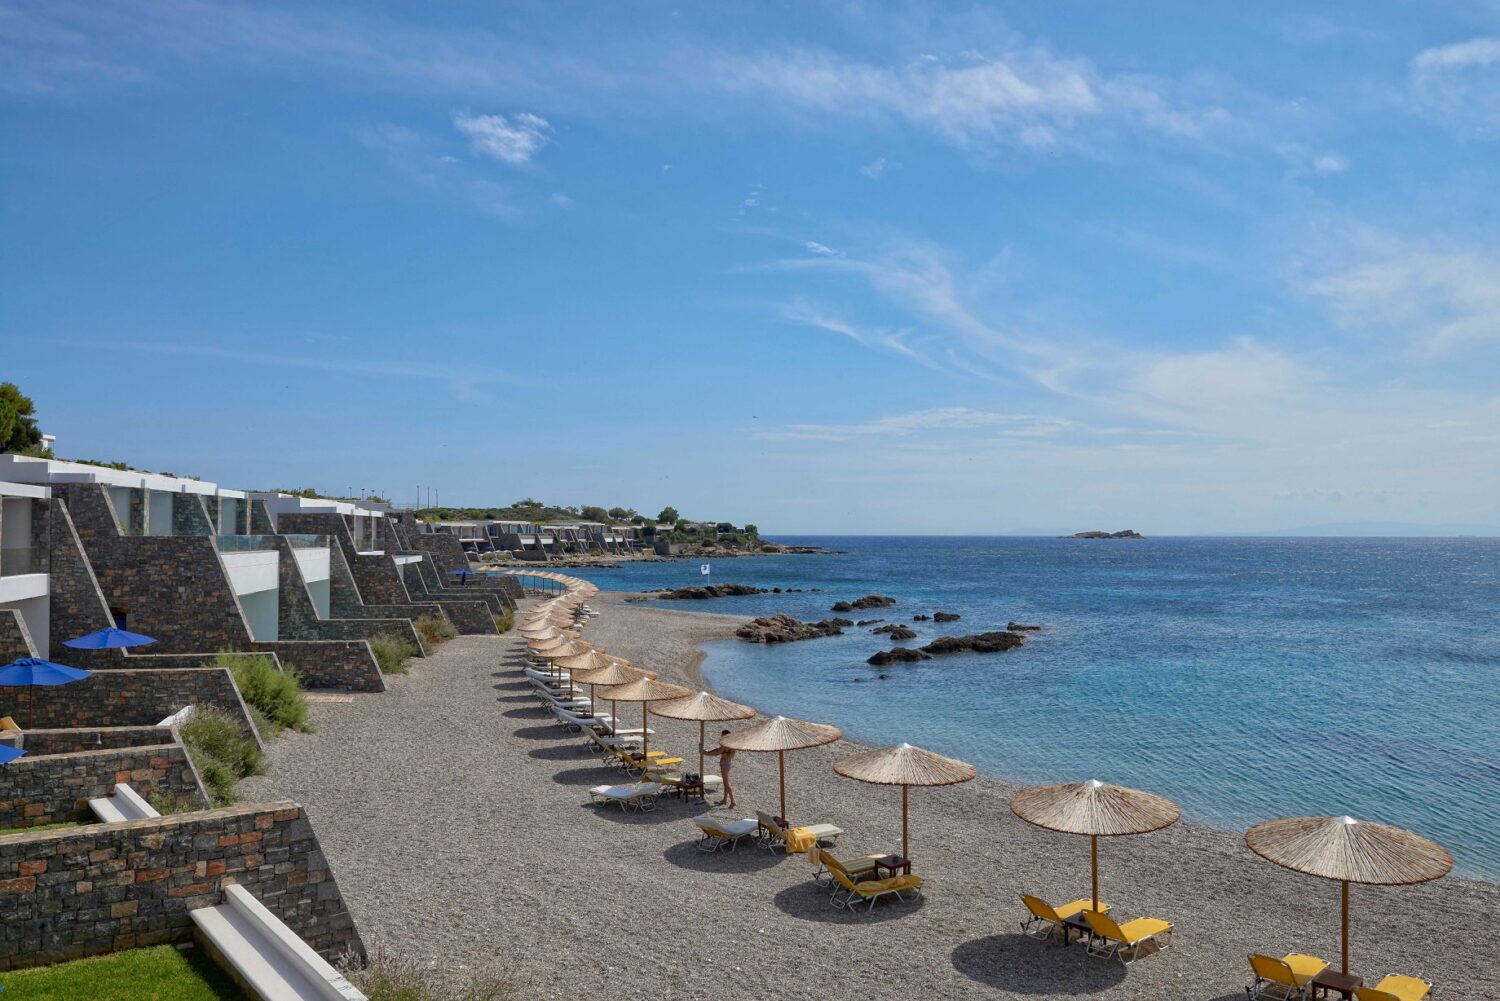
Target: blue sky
[(855, 267)]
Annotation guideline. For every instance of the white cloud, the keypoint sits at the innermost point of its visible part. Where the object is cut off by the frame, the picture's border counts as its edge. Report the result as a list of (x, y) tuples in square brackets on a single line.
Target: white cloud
[(874, 168), (514, 141), (814, 247), (1330, 163), (407, 153), (1460, 84), (927, 422)]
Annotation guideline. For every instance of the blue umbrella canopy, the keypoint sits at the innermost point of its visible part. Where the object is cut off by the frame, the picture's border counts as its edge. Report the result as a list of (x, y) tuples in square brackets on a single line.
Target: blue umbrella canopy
[(108, 638), (9, 754), (33, 671)]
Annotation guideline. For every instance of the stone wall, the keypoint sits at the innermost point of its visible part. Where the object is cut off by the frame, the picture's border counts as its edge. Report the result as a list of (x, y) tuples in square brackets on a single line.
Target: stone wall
[(91, 890), (471, 614), (190, 516), (53, 788), (128, 697), (15, 638), (375, 576), (299, 616), (260, 519), (77, 606), (348, 665), (94, 738)]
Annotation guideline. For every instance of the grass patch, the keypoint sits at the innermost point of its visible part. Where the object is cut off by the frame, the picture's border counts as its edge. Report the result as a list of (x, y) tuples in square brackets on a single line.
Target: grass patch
[(391, 653), (220, 750), (435, 629), (276, 695), (384, 977), (161, 973), (39, 827), (506, 622)]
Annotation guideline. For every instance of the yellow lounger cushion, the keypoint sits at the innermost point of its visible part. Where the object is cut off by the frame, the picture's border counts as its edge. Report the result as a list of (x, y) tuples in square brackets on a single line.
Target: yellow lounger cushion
[(871, 887), (800, 839), (1144, 928), (1078, 907), (1304, 967), (1395, 987)]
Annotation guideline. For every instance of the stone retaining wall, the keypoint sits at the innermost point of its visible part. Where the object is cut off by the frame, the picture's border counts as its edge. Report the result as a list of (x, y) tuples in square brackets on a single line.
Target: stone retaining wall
[(94, 738), (348, 665), (15, 638), (126, 698), (51, 788), (91, 890)]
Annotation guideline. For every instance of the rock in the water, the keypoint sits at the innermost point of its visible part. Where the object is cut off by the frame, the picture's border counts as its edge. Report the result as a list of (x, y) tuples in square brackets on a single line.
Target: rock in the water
[(896, 632), (711, 591), (993, 642), (946, 617), (868, 601), (921, 618), (868, 622), (898, 655), (1019, 627), (1124, 534), (785, 629)]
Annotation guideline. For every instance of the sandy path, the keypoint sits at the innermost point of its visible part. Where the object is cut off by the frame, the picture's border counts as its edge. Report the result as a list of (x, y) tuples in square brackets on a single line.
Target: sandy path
[(453, 815)]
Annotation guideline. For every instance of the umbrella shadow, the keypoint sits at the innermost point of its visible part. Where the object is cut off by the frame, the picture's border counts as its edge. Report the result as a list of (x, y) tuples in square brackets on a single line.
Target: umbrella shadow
[(809, 901), (525, 712), (560, 752), (511, 686), (514, 698), (590, 775), (748, 858), (543, 732), (662, 814), (1021, 964)]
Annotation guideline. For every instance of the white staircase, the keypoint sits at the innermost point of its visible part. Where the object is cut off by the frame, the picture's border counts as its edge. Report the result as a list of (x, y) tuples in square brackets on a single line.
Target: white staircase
[(265, 955), (122, 805)]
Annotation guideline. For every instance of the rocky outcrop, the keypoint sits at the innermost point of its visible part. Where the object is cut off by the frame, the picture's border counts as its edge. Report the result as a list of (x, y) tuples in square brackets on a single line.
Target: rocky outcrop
[(899, 655), (709, 591), (1124, 534), (897, 633), (945, 616), (868, 601), (993, 642), (921, 618), (868, 622), (785, 629), (1019, 627)]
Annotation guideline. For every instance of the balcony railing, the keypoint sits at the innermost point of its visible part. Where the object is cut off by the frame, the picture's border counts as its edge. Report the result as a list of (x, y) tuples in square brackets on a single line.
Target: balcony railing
[(245, 543), (307, 541), (14, 562)]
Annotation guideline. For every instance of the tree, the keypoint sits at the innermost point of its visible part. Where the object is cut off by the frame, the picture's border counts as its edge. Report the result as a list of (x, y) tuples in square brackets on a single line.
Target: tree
[(590, 512), (668, 516), (18, 430), (724, 526), (623, 514), (529, 504), (752, 531)]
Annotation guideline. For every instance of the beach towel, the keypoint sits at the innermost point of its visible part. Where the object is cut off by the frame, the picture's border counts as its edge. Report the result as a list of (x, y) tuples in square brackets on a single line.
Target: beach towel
[(800, 839)]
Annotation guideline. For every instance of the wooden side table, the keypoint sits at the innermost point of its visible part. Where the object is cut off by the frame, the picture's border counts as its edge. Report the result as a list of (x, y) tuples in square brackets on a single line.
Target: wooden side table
[(1330, 980), (893, 864)]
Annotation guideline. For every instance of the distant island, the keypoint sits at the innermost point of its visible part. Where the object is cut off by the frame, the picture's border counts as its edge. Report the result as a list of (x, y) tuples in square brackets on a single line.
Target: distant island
[(1128, 533)]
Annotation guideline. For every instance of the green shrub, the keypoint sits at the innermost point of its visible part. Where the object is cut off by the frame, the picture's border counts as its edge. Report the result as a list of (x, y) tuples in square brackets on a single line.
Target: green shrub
[(435, 629), (504, 623), (391, 653), (164, 802), (220, 750), (276, 695), (384, 977)]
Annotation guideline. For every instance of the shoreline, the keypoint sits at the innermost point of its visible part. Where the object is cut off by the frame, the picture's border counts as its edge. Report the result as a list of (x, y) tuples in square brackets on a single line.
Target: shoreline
[(693, 672)]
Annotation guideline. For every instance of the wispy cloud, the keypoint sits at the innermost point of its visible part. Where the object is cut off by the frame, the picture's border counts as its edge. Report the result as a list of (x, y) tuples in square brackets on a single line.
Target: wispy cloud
[(514, 141), (412, 155), (1460, 84), (874, 169), (930, 421), (891, 341), (822, 250)]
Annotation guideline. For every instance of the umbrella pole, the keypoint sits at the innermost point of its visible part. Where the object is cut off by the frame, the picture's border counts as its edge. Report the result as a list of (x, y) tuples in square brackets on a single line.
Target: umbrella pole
[(1094, 858), (30, 706), (905, 791), (1345, 967), (781, 764), (645, 732), (702, 730)]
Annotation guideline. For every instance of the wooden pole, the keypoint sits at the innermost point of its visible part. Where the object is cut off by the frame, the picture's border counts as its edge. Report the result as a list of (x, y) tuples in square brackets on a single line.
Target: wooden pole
[(645, 732), (905, 790), (1094, 857), (702, 731), (781, 762), (1345, 967)]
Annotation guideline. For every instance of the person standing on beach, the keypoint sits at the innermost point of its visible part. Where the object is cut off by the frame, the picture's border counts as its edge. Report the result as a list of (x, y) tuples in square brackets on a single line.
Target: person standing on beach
[(726, 761)]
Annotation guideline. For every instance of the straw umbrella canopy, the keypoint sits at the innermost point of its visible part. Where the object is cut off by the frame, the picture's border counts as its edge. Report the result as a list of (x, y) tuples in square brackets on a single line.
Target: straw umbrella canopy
[(1097, 809), (550, 643), (644, 690), (616, 672), (703, 707), (781, 735), (1349, 851), (905, 766)]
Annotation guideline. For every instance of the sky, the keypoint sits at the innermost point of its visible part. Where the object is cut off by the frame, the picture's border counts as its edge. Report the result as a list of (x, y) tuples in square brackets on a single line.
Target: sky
[(829, 268)]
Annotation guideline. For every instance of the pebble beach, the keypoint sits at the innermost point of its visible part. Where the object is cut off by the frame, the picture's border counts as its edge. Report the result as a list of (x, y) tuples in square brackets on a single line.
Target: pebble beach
[(455, 814)]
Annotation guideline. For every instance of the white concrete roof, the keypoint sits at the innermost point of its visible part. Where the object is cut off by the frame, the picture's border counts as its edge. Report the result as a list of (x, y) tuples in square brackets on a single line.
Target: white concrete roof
[(278, 503), (23, 490), (25, 469)]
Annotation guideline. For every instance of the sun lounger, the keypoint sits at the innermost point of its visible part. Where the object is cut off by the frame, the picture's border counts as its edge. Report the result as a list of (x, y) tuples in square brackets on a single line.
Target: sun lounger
[(776, 835), (653, 763), (575, 721), (723, 835), (1285, 979), (1112, 939), (639, 796), (1395, 987), (827, 863), (848, 894), (1048, 920)]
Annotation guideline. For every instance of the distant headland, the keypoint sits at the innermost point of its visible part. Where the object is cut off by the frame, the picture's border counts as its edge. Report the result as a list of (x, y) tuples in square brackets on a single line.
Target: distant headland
[(1128, 533)]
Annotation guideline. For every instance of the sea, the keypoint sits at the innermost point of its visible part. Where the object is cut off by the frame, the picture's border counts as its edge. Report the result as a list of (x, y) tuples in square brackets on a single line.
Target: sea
[(1244, 678)]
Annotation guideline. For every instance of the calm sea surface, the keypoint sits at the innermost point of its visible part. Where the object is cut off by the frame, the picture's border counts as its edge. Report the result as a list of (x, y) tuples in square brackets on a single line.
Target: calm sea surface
[(1244, 678)]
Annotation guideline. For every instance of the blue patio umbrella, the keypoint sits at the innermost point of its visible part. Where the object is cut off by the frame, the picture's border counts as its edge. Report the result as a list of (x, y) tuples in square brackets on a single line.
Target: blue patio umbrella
[(462, 575), (32, 671), (108, 638), (9, 754)]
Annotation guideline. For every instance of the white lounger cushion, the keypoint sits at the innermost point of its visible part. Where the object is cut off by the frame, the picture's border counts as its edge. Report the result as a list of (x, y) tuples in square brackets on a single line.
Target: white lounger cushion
[(734, 828), (634, 791)]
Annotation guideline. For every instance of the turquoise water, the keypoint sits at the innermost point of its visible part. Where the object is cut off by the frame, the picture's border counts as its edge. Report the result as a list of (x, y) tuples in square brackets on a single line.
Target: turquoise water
[(1244, 678)]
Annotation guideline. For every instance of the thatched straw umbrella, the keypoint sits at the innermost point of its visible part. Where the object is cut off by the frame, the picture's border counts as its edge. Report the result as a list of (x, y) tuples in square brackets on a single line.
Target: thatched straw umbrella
[(645, 690), (782, 735), (1350, 851), (613, 674), (905, 766), (704, 707), (1097, 809)]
